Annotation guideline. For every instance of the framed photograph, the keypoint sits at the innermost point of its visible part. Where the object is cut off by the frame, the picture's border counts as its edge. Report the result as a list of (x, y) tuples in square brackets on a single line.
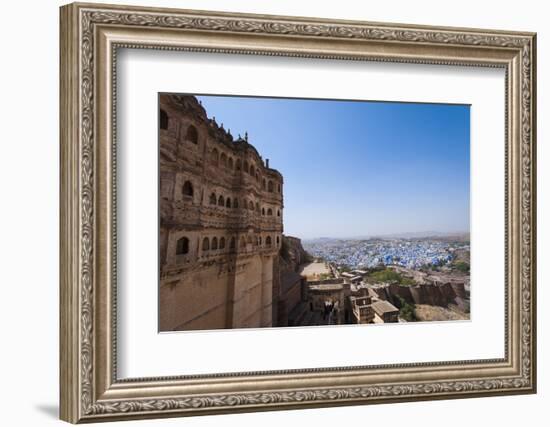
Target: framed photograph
[(266, 212)]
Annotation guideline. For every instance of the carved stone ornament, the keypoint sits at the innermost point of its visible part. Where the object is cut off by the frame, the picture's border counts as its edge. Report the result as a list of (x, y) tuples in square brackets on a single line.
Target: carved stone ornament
[(90, 36)]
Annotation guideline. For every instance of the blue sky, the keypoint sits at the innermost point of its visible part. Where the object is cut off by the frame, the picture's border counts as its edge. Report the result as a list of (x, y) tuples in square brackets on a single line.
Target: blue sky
[(355, 169)]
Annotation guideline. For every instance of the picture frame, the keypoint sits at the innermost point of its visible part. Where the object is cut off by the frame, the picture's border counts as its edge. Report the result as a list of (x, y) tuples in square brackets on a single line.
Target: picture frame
[(91, 36)]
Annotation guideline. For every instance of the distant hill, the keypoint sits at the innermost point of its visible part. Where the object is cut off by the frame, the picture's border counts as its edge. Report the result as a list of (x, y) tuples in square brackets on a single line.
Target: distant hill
[(462, 236), (440, 235)]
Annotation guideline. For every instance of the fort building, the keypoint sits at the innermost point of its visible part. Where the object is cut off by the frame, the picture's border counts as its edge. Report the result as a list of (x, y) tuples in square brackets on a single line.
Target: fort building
[(385, 312), (221, 223), (361, 309)]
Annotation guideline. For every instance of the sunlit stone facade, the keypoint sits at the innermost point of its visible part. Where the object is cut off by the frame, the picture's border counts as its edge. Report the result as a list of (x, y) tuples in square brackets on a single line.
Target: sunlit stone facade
[(221, 211)]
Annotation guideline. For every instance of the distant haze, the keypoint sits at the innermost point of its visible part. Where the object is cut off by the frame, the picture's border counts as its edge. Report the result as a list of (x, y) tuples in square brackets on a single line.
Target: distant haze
[(360, 168), (412, 235)]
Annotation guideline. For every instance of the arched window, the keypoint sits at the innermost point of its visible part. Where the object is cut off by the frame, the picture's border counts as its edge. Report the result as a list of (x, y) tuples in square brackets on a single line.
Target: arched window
[(278, 212), (163, 119), (221, 201), (222, 243), (223, 160), (278, 188), (192, 135), (251, 205), (205, 244), (269, 212), (182, 246), (232, 244), (238, 164), (260, 240), (213, 199), (278, 240), (268, 241), (214, 157), (228, 202), (264, 184), (257, 207), (230, 163), (187, 189), (215, 244), (270, 186), (235, 203), (263, 211)]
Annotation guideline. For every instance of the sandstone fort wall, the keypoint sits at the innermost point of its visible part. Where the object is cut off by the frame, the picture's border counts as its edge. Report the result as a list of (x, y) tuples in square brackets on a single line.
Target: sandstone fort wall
[(221, 211)]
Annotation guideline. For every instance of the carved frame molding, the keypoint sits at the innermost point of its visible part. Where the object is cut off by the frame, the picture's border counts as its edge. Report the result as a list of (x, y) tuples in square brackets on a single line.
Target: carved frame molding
[(90, 37)]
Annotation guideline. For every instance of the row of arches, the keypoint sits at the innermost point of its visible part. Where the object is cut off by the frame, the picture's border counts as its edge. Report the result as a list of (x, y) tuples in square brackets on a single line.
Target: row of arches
[(215, 243), (188, 191), (227, 162), (182, 244), (234, 203)]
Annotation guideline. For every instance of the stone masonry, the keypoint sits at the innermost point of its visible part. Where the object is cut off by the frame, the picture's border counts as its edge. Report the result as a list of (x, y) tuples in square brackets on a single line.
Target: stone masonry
[(221, 210)]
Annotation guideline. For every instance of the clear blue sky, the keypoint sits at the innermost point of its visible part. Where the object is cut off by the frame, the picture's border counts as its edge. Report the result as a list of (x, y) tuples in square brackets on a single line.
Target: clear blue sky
[(355, 169)]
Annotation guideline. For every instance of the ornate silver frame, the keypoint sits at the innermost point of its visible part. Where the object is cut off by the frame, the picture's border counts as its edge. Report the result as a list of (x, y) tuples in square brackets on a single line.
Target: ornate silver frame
[(90, 36)]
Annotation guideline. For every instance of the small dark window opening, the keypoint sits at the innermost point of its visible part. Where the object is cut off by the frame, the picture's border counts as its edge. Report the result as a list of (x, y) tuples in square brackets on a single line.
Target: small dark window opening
[(192, 135), (182, 246), (235, 203), (278, 212), (222, 243), (205, 244), (214, 157), (187, 189), (212, 199), (221, 202), (214, 243), (270, 186), (268, 241), (263, 211), (163, 119), (232, 243), (269, 212), (228, 202)]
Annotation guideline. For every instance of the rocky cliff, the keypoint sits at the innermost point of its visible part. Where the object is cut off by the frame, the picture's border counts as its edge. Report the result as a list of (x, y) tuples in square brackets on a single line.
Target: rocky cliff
[(441, 294), (292, 254), (285, 276)]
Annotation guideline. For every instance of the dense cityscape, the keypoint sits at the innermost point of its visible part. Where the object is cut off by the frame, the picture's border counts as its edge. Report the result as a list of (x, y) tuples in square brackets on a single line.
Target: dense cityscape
[(410, 253)]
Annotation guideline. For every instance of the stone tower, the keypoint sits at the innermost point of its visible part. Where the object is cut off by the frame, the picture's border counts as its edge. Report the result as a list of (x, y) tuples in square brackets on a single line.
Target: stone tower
[(220, 223)]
